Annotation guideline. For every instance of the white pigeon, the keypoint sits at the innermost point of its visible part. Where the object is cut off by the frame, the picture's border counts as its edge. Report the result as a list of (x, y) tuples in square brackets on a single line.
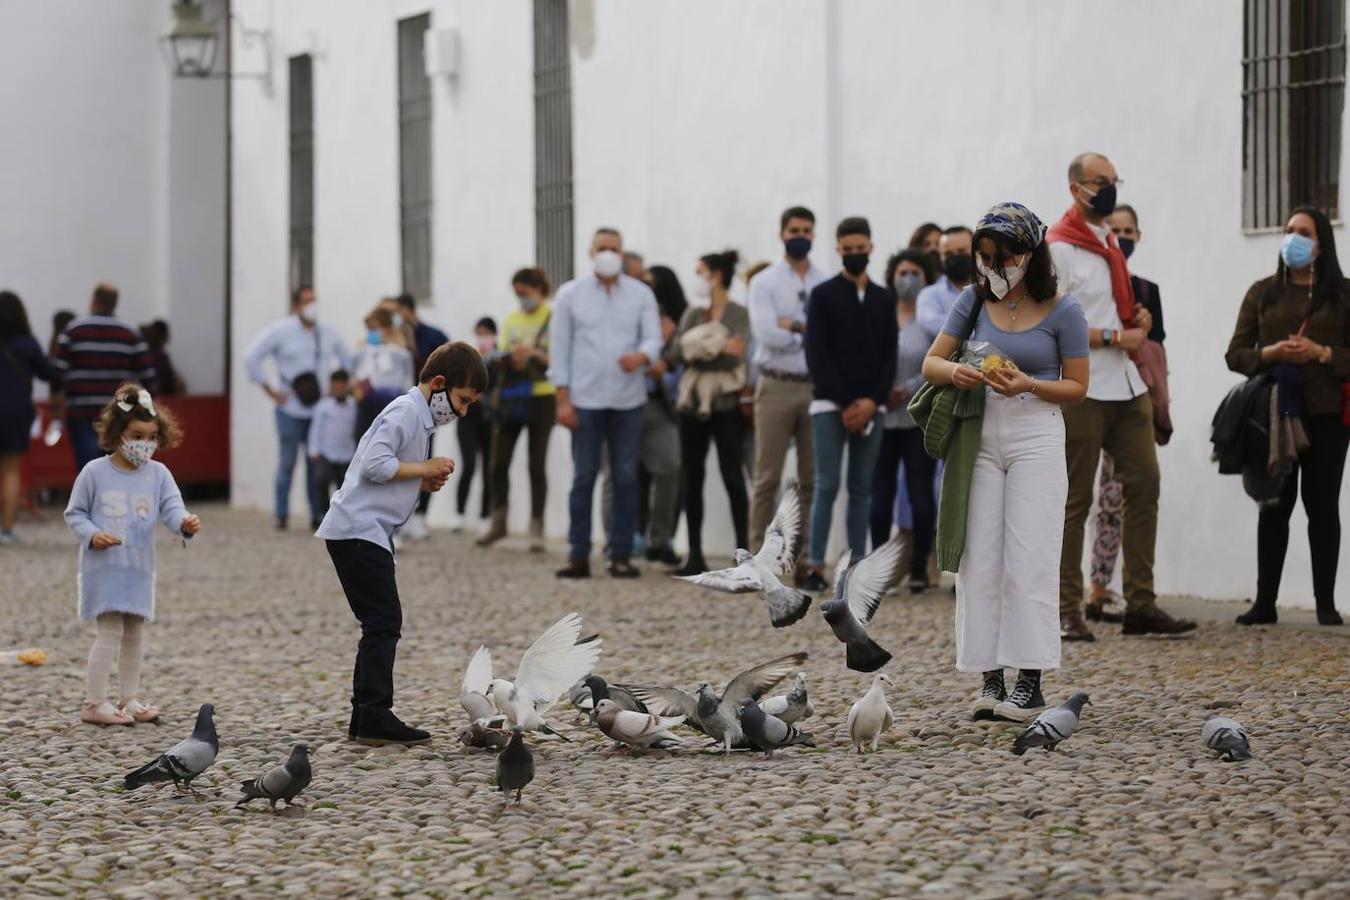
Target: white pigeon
[(792, 706), (473, 695), (637, 730), (551, 665), (870, 715), (760, 573)]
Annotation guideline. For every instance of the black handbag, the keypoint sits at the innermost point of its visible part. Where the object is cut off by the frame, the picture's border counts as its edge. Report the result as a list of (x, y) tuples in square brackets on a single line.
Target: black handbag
[(305, 386)]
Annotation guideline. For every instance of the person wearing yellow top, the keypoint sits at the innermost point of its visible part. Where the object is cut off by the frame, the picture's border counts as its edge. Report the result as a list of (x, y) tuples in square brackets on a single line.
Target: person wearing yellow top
[(524, 399)]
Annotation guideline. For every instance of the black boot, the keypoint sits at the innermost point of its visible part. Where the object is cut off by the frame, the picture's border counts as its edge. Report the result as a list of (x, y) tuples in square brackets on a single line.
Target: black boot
[(1259, 614), (693, 566), (1327, 615), (1025, 702), (994, 693)]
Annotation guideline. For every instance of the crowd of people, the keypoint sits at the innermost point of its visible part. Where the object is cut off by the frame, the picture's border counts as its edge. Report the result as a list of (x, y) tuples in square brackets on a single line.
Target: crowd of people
[(1004, 381)]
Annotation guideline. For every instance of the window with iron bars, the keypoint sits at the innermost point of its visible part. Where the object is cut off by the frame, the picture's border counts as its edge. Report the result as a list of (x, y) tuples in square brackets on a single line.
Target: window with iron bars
[(301, 113), (553, 139), (1293, 97), (414, 164)]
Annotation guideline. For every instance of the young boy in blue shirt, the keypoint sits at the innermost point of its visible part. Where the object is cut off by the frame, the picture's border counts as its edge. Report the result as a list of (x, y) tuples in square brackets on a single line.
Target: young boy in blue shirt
[(392, 464)]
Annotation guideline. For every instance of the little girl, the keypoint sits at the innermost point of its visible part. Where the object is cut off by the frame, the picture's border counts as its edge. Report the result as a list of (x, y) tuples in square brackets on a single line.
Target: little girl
[(113, 508)]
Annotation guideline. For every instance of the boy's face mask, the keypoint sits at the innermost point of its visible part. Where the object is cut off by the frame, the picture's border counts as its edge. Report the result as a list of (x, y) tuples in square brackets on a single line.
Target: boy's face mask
[(442, 410)]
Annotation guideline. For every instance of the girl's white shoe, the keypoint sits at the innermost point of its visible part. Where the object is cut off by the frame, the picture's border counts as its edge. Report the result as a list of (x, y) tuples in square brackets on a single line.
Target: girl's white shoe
[(139, 712), (104, 714)]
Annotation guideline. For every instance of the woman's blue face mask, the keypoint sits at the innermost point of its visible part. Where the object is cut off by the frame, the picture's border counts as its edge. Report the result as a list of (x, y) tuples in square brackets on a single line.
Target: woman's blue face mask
[(1297, 251), (373, 337)]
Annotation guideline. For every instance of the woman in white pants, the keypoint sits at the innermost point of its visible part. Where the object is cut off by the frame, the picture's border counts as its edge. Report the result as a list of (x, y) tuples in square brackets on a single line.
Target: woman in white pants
[(1007, 592)]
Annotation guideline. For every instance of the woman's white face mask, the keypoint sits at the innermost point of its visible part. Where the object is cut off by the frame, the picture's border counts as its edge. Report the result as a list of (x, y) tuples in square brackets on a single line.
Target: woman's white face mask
[(1002, 285)]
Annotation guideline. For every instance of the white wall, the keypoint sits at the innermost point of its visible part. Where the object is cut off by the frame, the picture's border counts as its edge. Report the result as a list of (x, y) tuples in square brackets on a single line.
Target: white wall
[(697, 122), (110, 170)]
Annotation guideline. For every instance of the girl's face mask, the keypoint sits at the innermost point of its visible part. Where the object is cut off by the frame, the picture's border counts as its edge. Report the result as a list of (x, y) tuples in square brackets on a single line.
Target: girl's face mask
[(138, 453)]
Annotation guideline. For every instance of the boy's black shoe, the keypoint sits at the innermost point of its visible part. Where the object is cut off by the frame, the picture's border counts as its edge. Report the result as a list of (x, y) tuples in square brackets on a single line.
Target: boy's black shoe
[(390, 731), (575, 568), (622, 568)]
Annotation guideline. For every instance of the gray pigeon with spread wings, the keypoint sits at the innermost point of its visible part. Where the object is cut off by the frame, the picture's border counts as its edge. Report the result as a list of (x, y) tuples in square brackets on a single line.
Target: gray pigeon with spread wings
[(858, 589), (185, 760), (1053, 726), (1227, 738), (760, 573), (719, 717), (792, 706), (285, 782)]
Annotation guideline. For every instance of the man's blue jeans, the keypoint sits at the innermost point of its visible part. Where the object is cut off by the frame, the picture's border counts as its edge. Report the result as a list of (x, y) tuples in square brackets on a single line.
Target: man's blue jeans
[(621, 430), (830, 439), (83, 440), (292, 432)]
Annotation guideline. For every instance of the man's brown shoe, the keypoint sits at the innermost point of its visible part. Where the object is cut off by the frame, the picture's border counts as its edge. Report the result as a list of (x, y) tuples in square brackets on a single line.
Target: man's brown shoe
[(1154, 621), (575, 568), (1073, 628)]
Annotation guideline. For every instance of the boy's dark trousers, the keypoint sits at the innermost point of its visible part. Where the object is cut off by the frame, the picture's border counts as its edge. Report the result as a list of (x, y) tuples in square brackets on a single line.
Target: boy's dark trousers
[(366, 571)]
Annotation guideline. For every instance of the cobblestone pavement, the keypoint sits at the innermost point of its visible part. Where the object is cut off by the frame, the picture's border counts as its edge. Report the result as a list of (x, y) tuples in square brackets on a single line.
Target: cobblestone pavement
[(254, 622)]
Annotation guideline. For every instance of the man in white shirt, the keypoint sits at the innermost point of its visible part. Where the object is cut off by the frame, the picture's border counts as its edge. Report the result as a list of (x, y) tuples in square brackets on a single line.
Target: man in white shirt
[(778, 298), (936, 301), (1117, 415), (304, 351), (606, 334)]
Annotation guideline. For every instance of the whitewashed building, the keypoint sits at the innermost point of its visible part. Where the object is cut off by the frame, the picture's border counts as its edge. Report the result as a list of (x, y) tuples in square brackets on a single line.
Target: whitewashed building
[(690, 125)]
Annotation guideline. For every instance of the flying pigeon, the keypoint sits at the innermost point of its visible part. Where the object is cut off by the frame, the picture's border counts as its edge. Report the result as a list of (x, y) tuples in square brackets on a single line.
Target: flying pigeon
[(483, 735), (1053, 726), (858, 588), (515, 766), (793, 705), (870, 715), (185, 760), (767, 732), (636, 729), (1227, 738), (549, 667), (473, 694), (285, 782), (719, 717), (760, 573)]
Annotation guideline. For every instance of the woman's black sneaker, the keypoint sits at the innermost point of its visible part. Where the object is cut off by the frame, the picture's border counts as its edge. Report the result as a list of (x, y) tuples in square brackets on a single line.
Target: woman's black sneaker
[(1024, 703), (695, 566), (994, 693), (1259, 614)]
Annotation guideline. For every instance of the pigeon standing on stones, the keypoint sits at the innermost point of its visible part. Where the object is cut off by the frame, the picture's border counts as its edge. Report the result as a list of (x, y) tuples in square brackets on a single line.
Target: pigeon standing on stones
[(858, 589), (285, 782), (552, 664), (185, 760), (592, 689), (515, 766), (1052, 726), (482, 735), (869, 716), (1227, 738), (767, 732), (719, 717), (760, 573), (793, 705), (639, 730)]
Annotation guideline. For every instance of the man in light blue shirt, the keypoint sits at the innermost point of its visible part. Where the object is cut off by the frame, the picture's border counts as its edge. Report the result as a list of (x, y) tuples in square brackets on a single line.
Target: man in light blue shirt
[(377, 498), (605, 334), (936, 301), (783, 394), (299, 346)]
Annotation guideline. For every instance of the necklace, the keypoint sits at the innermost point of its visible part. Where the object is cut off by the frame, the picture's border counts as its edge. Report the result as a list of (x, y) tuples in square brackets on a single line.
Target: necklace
[(1012, 310)]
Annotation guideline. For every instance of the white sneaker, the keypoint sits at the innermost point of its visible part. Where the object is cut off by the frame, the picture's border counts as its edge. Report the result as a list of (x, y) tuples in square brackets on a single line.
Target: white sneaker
[(8, 539), (416, 529), (456, 523)]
